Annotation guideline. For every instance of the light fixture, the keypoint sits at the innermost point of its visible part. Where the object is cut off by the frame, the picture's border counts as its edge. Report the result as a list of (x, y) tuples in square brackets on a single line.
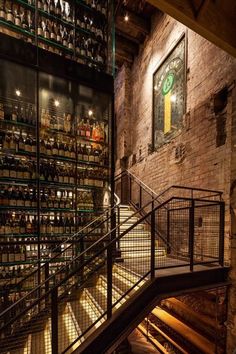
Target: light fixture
[(126, 17), (56, 103), (18, 93), (90, 112)]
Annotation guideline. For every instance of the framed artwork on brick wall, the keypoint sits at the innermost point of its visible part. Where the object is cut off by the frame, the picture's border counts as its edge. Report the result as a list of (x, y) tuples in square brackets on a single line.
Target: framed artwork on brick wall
[(169, 88)]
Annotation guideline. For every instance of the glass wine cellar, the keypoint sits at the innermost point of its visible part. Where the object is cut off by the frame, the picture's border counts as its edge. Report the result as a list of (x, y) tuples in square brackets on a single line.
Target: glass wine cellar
[(56, 106)]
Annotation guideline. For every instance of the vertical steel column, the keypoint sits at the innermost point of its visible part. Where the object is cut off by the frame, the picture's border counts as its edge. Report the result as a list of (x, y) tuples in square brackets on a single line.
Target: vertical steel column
[(221, 233), (46, 276), (191, 234), (153, 229), (54, 319)]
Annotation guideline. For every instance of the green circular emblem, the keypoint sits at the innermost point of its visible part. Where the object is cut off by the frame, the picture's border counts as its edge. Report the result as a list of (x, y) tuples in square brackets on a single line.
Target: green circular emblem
[(168, 83)]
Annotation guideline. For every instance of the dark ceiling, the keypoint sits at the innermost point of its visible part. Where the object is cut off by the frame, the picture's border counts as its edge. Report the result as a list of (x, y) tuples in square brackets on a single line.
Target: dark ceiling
[(130, 34)]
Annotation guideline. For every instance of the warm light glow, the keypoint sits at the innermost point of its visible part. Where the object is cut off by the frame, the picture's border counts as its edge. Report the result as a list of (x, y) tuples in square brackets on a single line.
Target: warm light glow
[(90, 113), (126, 17), (173, 98), (57, 103), (155, 87), (18, 93)]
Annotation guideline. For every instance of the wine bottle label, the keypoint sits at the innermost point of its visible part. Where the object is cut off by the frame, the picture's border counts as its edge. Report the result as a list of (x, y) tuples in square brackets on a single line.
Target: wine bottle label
[(26, 175), (52, 36), (46, 34), (20, 174), (104, 11), (13, 174), (21, 146), (67, 229), (4, 257), (17, 257), (27, 203), (66, 179), (2, 14), (22, 256), (85, 157), (40, 31), (17, 21), (11, 257), (12, 145), (5, 173), (83, 52), (58, 38), (80, 156), (56, 229), (10, 17)]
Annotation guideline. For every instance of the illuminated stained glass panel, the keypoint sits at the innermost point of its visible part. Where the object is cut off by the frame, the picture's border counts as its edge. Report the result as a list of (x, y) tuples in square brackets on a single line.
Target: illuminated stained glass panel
[(169, 95)]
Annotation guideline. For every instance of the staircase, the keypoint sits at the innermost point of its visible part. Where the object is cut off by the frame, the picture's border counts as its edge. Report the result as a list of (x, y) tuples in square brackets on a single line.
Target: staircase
[(97, 291), (136, 243), (79, 311)]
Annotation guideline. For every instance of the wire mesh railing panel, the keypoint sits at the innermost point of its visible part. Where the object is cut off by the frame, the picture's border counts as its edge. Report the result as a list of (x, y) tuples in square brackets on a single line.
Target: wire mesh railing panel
[(82, 302), (206, 232), (135, 247)]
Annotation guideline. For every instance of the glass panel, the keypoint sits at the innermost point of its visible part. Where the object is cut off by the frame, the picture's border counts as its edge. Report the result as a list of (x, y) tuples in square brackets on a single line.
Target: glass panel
[(57, 165), (18, 166)]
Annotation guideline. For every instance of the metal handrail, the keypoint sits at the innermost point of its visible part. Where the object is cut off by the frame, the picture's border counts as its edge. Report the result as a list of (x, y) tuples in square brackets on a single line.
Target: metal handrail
[(86, 262), (152, 192), (79, 235)]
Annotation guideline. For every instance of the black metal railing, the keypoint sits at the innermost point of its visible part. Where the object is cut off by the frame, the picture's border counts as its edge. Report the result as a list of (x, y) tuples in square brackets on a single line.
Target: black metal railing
[(72, 302)]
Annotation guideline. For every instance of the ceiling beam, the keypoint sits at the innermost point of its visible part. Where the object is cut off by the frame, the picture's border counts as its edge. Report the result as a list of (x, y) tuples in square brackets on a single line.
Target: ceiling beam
[(126, 44), (215, 21), (127, 36), (136, 22)]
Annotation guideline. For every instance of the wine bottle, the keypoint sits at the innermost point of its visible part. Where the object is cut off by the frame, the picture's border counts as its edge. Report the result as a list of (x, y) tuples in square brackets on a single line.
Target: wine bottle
[(17, 16), (3, 11), (10, 15)]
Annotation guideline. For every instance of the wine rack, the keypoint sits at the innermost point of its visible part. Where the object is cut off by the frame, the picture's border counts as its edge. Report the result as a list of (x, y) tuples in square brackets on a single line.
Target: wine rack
[(77, 29), (54, 167)]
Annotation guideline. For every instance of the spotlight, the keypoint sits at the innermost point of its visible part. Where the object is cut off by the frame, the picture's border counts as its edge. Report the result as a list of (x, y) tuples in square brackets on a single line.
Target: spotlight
[(18, 93), (126, 17), (90, 113), (56, 103)]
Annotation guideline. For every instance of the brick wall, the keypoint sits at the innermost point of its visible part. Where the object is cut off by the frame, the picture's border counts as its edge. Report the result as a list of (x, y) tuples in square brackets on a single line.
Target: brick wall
[(207, 137)]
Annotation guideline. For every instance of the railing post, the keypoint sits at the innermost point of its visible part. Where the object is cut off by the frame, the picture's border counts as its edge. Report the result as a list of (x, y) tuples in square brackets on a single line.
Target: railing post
[(168, 232), (109, 282), (153, 227), (54, 320), (140, 196), (130, 189), (221, 233), (191, 234), (118, 221), (46, 276)]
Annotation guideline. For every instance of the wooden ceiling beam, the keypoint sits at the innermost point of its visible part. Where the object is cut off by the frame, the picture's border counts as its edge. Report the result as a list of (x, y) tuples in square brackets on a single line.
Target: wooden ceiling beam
[(122, 55), (136, 22), (119, 31), (126, 44), (215, 21)]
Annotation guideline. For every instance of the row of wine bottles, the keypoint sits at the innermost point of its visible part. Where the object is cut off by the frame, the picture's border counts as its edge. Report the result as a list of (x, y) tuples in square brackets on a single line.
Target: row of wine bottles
[(57, 223), (22, 168), (86, 128), (16, 273), (17, 111)]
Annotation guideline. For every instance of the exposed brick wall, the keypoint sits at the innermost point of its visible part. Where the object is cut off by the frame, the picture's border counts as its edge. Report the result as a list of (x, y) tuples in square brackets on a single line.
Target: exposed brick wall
[(208, 138)]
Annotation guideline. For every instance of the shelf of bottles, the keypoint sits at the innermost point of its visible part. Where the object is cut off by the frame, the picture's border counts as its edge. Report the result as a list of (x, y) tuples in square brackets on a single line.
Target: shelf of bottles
[(75, 29), (54, 167)]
